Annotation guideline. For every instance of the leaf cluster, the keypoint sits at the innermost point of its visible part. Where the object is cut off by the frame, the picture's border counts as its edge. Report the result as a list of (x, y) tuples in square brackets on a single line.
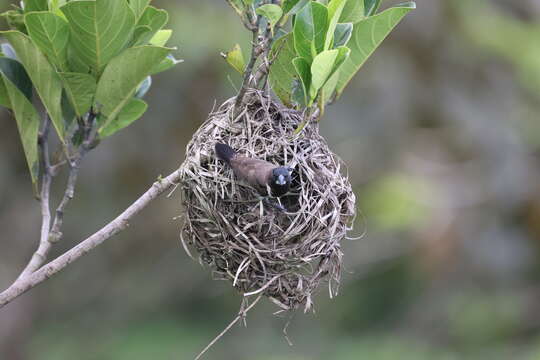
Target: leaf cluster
[(85, 59), (326, 45)]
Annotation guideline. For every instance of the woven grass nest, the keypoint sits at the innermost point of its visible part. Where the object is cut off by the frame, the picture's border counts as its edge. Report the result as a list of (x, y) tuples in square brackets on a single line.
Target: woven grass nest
[(283, 255)]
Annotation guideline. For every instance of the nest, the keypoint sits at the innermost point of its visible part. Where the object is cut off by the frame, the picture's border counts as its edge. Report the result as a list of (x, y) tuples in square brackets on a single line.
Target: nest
[(282, 254)]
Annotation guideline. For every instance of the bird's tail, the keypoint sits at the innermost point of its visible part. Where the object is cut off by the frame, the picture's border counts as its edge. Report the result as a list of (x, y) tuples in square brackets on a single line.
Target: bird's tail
[(225, 152)]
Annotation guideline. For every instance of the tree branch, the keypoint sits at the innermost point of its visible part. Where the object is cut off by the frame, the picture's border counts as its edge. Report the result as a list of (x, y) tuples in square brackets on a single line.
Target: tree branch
[(40, 255), (23, 284)]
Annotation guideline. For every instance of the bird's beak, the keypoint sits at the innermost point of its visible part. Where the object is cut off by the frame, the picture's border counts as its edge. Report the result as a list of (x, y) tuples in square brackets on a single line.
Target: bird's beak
[(281, 180)]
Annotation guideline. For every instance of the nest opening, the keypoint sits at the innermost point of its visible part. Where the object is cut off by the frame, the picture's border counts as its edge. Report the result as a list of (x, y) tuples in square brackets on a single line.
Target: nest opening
[(283, 255)]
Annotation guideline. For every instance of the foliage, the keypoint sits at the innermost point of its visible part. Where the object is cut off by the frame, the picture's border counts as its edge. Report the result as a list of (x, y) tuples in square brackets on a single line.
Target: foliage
[(327, 45), (89, 58)]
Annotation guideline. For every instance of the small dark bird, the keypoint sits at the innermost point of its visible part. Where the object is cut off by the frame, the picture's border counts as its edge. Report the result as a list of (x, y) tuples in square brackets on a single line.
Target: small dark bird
[(258, 173)]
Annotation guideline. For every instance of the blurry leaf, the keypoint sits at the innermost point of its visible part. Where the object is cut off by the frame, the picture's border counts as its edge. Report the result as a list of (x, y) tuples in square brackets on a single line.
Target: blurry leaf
[(302, 69), (310, 30), (166, 64), (235, 58), (153, 18), (371, 7), (293, 6), (26, 116), (367, 35), (324, 66), (161, 38), (67, 110), (353, 11), (282, 71), (43, 76), (35, 5), (51, 34), (335, 8), (4, 97), (80, 90), (342, 35), (123, 75), (272, 12), (55, 6), (329, 88), (131, 112), (99, 30), (144, 87), (138, 7)]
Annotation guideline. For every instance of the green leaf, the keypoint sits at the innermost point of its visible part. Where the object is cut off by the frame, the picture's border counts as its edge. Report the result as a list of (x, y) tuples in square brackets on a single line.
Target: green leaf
[(123, 75), (44, 77), (130, 113), (26, 116), (15, 20), (80, 90), (367, 35), (51, 34), (293, 6), (272, 12), (302, 69), (161, 38), (153, 18), (324, 66), (342, 35), (353, 11), (99, 30), (335, 8), (310, 30), (166, 64), (17, 75), (235, 58), (4, 97), (35, 5), (138, 7), (371, 7), (282, 71)]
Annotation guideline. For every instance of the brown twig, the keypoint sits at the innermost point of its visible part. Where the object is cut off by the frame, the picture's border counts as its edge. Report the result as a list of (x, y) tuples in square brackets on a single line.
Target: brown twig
[(23, 284)]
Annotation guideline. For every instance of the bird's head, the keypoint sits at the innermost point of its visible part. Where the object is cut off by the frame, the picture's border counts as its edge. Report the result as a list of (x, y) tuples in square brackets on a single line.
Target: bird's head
[(281, 179)]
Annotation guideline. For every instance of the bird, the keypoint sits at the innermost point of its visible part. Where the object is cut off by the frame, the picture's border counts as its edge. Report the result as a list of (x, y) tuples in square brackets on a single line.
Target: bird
[(266, 177)]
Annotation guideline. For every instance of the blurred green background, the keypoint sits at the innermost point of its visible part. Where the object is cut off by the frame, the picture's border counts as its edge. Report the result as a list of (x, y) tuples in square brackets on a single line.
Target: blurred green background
[(441, 132)]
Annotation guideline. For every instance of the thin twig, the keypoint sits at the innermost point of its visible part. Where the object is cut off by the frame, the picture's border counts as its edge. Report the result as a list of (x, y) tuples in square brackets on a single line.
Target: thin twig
[(74, 167), (40, 255), (256, 51), (23, 284), (240, 315)]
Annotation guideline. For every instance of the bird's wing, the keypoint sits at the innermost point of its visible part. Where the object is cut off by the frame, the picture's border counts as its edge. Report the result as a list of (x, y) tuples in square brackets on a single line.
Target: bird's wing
[(256, 172)]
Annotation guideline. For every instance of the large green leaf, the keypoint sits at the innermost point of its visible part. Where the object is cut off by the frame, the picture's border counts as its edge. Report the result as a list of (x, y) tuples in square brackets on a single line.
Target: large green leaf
[(282, 72), (44, 77), (367, 35), (133, 111), (35, 5), (80, 90), (26, 116), (310, 30), (123, 75), (99, 30), (138, 7), (151, 21), (51, 34), (335, 8)]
